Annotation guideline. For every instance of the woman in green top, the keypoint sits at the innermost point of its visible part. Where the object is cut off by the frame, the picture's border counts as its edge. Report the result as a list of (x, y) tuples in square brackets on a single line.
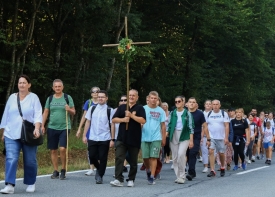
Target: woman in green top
[(180, 131)]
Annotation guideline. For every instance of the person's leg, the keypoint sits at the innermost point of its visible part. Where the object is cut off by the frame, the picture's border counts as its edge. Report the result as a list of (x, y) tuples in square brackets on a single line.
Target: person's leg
[(241, 151), (236, 156), (270, 151), (133, 154), (103, 150), (145, 149), (30, 164), (204, 152), (155, 147), (174, 149), (52, 144), (62, 147), (182, 158), (120, 157), (193, 152), (93, 152), (212, 155), (153, 166), (13, 148)]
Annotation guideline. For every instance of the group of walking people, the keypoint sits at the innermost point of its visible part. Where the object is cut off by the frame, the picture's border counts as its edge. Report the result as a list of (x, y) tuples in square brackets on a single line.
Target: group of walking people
[(216, 134)]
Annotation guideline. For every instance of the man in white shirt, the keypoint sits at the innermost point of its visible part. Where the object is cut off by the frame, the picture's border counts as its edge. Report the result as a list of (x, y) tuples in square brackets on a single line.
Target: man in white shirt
[(218, 127), (101, 135)]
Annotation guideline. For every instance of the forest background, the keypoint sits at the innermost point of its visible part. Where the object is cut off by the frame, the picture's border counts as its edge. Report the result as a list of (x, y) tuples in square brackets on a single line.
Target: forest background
[(208, 49)]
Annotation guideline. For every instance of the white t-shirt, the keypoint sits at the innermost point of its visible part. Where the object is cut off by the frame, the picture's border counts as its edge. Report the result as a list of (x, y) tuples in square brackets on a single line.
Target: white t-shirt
[(216, 125), (268, 134), (179, 125), (12, 121), (271, 122)]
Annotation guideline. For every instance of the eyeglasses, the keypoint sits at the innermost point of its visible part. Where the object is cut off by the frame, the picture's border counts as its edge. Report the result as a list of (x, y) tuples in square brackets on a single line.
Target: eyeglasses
[(101, 97), (123, 100), (178, 101), (95, 91)]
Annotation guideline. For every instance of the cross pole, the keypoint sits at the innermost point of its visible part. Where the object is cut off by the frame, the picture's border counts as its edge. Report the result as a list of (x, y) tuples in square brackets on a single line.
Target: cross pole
[(127, 63)]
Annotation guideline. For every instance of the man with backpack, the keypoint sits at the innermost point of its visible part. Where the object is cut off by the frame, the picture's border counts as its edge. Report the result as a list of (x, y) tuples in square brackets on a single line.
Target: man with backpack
[(57, 107), (102, 135)]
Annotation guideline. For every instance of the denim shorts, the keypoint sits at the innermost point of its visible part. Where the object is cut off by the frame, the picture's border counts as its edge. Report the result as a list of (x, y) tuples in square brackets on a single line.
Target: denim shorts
[(56, 137), (267, 145)]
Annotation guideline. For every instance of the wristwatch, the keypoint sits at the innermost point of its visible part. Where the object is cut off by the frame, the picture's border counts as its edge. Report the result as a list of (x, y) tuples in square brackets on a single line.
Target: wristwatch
[(113, 140), (208, 140)]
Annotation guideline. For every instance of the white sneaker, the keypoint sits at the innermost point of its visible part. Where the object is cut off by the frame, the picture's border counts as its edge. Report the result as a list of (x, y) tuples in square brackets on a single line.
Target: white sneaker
[(249, 161), (30, 188), (90, 173), (116, 183), (200, 159), (9, 189), (205, 169), (180, 181), (176, 181), (172, 167), (130, 183), (253, 158)]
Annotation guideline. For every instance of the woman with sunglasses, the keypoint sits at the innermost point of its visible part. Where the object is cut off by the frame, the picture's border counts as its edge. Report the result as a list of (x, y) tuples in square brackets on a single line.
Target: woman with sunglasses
[(90, 102), (180, 131)]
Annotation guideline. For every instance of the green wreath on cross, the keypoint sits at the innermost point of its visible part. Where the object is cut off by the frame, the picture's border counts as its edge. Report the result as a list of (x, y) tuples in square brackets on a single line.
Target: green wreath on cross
[(126, 49)]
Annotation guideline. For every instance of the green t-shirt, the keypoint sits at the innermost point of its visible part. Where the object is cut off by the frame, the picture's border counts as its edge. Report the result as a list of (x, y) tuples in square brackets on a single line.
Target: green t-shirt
[(57, 118)]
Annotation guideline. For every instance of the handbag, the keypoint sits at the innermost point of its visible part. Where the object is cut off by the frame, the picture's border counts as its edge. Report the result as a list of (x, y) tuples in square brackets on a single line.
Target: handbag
[(27, 129)]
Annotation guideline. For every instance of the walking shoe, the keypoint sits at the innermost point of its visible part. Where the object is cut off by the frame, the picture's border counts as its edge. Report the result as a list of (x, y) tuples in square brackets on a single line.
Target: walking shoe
[(125, 169), (117, 183), (211, 174), (258, 157), (148, 175), (180, 181), (244, 165), (90, 173), (55, 175), (205, 169), (176, 181), (228, 167), (262, 156), (9, 189), (130, 183), (269, 162), (99, 180), (253, 158), (222, 172), (266, 162), (30, 188), (172, 167), (63, 174), (158, 177), (151, 181), (200, 159), (249, 161), (189, 177), (235, 167), (96, 175), (142, 167)]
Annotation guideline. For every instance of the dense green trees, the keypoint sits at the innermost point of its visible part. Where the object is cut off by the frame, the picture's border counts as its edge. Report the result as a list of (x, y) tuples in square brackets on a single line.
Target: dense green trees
[(208, 49)]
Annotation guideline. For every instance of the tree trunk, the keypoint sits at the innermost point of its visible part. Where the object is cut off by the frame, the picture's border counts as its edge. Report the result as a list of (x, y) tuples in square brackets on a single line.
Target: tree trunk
[(12, 75)]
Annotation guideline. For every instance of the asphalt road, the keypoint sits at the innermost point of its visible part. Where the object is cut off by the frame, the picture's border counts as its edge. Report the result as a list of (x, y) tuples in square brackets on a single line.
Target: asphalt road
[(257, 180)]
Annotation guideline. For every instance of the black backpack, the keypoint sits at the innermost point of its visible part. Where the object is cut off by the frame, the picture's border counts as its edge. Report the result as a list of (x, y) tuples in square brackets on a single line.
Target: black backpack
[(211, 112), (65, 97)]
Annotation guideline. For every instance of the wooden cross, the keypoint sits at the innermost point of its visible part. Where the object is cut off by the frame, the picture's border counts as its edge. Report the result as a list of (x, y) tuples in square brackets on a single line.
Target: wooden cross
[(127, 63)]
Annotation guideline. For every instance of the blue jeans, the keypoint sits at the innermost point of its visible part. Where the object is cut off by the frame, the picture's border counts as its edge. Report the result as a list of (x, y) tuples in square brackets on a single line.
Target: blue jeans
[(13, 148)]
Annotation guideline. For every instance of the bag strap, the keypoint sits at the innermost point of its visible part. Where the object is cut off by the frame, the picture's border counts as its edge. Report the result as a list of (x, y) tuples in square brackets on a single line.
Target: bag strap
[(19, 106)]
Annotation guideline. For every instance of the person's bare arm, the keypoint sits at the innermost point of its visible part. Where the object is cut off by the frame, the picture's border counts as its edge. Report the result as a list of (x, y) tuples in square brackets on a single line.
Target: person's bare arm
[(82, 121), (45, 116)]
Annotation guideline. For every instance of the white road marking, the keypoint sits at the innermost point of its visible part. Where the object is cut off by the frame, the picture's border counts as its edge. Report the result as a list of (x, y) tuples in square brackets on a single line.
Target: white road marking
[(247, 171)]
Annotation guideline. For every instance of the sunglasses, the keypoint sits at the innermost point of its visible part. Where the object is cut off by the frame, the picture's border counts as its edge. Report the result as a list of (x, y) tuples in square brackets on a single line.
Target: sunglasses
[(123, 100), (179, 101), (95, 91)]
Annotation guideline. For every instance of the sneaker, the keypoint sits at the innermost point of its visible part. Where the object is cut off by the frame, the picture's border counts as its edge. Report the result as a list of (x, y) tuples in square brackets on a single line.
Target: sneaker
[(222, 172), (176, 181), (258, 157), (125, 169), (240, 165), (130, 183), (228, 167), (151, 181), (249, 161), (9, 189), (200, 159), (158, 177), (55, 175), (148, 175), (235, 168), (253, 158), (62, 174), (99, 180), (189, 177), (205, 169), (117, 183), (142, 167), (262, 157), (30, 188), (90, 173), (244, 165), (269, 162), (211, 174), (180, 181), (172, 167)]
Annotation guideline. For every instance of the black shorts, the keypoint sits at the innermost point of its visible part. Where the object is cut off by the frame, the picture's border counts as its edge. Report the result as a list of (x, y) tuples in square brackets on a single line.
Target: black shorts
[(56, 137)]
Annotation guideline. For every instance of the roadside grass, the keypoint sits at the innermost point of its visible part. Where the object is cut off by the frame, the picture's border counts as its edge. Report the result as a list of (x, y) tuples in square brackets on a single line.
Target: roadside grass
[(77, 158)]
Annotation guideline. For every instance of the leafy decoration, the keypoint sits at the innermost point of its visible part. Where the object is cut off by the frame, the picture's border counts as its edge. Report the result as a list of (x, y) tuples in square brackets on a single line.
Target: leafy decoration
[(126, 49)]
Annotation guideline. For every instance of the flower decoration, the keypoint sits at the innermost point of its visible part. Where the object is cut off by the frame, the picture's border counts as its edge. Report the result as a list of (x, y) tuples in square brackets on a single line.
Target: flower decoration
[(126, 49)]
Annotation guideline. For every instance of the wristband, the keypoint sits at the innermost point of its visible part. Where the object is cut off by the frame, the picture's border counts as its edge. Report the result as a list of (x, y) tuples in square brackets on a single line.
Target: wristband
[(208, 140), (113, 140)]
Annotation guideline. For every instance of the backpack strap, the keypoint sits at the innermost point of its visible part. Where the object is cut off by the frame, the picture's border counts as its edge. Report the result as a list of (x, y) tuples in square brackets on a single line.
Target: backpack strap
[(50, 99), (108, 115), (92, 110), (209, 114), (90, 103), (222, 113), (66, 98)]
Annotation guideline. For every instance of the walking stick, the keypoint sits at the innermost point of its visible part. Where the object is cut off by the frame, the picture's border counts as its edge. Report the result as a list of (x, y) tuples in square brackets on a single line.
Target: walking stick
[(67, 149)]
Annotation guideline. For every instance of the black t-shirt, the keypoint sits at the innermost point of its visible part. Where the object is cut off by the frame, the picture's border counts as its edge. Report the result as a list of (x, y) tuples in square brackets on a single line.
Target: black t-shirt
[(239, 127), (199, 119), (131, 137)]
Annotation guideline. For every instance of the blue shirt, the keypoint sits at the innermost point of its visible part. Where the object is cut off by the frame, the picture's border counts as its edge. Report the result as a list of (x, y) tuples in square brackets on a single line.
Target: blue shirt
[(151, 130)]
